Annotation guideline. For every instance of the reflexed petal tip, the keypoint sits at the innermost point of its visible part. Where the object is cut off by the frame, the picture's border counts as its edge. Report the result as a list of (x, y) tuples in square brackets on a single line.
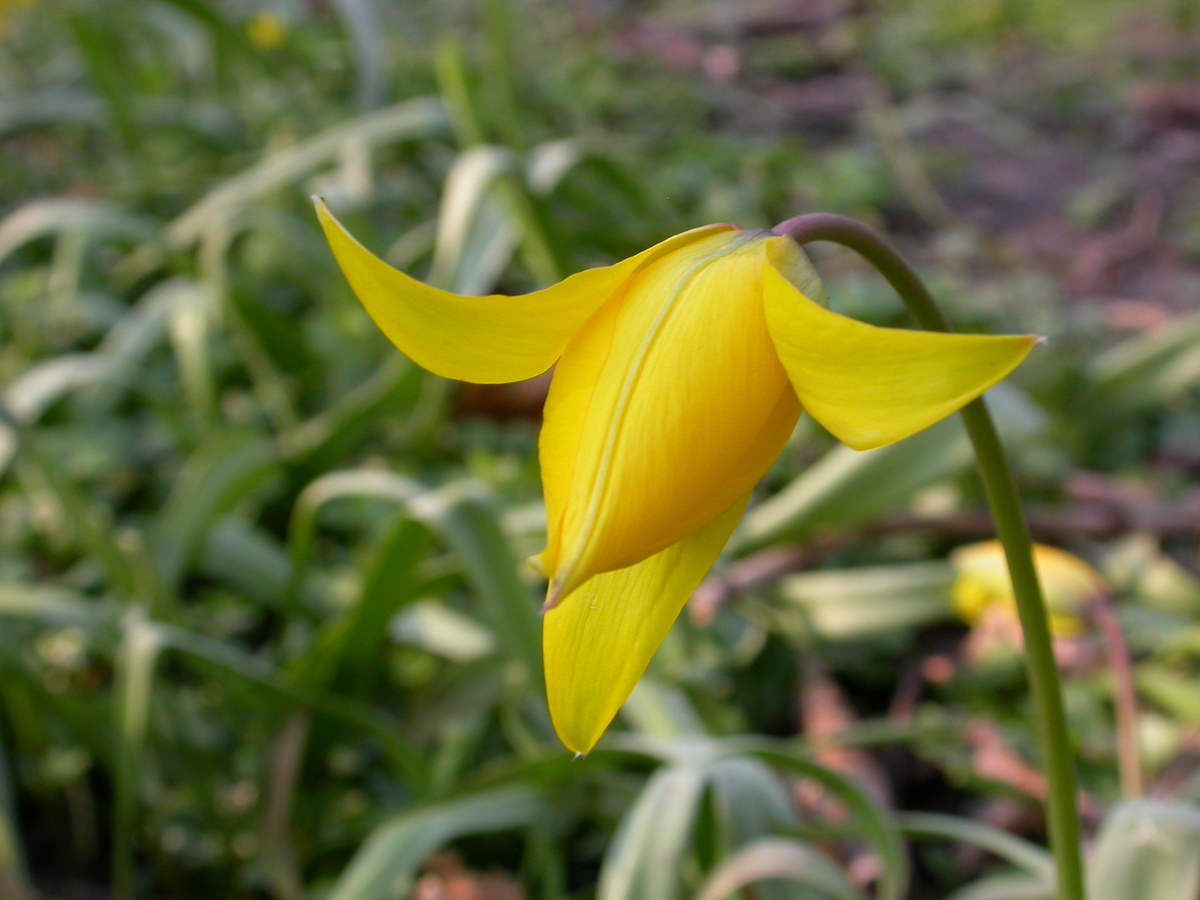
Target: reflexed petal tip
[(872, 386), (488, 339)]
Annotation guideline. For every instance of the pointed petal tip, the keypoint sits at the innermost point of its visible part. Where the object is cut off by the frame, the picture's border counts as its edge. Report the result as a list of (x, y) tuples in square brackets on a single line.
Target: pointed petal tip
[(872, 386), (554, 596), (597, 646), (578, 755), (564, 581)]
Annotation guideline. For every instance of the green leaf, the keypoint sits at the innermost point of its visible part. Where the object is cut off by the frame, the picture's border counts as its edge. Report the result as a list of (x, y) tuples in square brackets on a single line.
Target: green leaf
[(98, 39), (477, 231), (773, 859), (248, 559), (349, 648), (136, 660), (319, 443), (54, 607), (465, 200), (1006, 887), (659, 709), (403, 756), (876, 824), (1146, 370), (848, 488), (388, 862), (14, 878), (463, 516), (439, 629), (1175, 693), (366, 483), (854, 603), (1022, 854), (1149, 850), (648, 852), (227, 470), (91, 522), (93, 219), (749, 799), (114, 365), (422, 117)]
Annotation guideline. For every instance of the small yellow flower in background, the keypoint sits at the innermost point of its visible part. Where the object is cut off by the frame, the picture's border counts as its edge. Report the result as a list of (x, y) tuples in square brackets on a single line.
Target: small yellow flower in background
[(266, 31), (7, 7), (681, 372), (983, 584)]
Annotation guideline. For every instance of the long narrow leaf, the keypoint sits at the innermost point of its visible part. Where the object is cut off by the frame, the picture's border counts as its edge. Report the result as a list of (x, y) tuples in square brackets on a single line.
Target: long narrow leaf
[(648, 852), (878, 825), (387, 864), (1022, 854), (774, 859), (412, 119), (14, 878), (136, 659), (226, 471)]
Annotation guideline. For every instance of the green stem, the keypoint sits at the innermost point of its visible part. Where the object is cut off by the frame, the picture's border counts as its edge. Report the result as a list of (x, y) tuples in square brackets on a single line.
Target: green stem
[(1011, 528)]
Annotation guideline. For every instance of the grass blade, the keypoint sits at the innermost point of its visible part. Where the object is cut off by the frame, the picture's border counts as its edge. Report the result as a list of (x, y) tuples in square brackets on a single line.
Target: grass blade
[(1022, 854), (14, 877), (91, 218), (413, 119), (647, 853), (464, 515), (878, 826), (1149, 850), (853, 603), (136, 659), (387, 864), (224, 472), (778, 858)]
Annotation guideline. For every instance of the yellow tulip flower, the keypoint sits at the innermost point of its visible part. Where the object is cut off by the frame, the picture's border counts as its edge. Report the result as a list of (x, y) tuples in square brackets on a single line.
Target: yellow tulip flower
[(7, 8), (681, 372), (266, 31), (983, 583)]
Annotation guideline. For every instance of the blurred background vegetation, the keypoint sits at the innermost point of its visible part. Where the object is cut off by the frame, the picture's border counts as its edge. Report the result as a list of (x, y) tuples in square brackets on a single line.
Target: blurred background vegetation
[(264, 628)]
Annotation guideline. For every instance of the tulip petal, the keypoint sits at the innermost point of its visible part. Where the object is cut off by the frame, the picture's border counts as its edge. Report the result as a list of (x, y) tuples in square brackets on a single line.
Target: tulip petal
[(665, 408), (872, 386), (598, 641), (486, 340)]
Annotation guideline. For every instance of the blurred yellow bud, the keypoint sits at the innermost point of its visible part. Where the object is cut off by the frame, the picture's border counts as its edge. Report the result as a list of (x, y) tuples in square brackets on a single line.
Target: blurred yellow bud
[(6, 8), (265, 30), (982, 583)]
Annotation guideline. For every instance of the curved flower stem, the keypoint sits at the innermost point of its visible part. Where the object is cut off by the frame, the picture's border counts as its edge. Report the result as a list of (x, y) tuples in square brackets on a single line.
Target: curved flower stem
[(1011, 528)]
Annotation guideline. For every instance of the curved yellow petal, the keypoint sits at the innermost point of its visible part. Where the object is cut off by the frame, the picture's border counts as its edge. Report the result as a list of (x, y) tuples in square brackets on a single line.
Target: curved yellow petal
[(665, 408), (489, 339), (871, 386), (598, 641)]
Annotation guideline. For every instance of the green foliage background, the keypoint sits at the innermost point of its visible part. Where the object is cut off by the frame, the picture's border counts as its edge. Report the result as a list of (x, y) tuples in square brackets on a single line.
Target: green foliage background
[(264, 626)]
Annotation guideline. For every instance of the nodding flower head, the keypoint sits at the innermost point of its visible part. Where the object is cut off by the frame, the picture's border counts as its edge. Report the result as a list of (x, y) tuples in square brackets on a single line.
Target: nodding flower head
[(681, 372)]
